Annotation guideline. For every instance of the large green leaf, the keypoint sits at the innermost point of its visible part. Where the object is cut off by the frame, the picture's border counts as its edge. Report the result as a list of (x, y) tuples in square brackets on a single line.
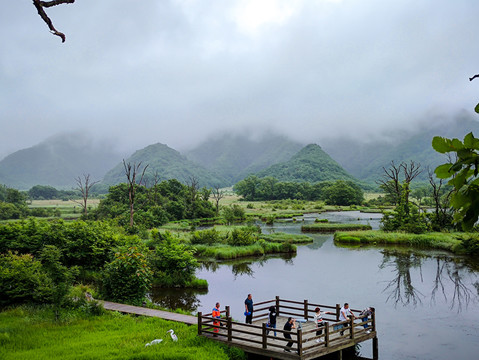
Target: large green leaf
[(469, 140), (442, 171), (477, 108), (441, 144)]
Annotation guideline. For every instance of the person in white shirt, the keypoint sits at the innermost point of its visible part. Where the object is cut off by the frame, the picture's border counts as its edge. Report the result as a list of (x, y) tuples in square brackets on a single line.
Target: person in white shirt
[(318, 319), (344, 315)]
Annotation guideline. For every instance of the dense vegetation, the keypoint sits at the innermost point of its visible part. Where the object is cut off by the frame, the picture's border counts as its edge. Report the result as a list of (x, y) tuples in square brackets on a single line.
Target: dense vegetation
[(337, 192), (169, 200)]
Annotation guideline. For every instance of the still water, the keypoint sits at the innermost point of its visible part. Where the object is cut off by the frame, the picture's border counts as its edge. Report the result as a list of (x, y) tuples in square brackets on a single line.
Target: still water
[(426, 301)]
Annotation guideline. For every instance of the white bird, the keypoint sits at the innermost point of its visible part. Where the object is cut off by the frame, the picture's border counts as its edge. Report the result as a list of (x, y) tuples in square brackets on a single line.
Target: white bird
[(173, 335), (154, 342)]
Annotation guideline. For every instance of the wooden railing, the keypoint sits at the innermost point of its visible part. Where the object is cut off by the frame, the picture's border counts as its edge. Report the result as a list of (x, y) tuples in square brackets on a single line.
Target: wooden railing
[(257, 335)]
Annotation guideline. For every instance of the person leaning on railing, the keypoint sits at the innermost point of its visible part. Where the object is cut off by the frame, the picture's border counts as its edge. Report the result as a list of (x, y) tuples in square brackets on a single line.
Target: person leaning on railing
[(345, 314)]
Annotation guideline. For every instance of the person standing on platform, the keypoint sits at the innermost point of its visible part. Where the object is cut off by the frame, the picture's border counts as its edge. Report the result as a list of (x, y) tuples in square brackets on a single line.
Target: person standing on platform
[(271, 320), (364, 316), (216, 314), (248, 309), (345, 314), (318, 319), (290, 324)]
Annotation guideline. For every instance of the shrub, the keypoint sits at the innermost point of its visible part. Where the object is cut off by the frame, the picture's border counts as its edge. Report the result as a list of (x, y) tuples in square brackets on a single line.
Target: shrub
[(205, 237), (242, 237), (128, 277), (23, 280)]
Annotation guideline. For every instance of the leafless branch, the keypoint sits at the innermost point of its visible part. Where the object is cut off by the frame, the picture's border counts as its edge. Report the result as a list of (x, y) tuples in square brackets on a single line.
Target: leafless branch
[(472, 78), (46, 4)]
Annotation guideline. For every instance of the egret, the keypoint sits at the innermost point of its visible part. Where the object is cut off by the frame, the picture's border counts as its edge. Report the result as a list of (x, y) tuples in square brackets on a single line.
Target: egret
[(173, 335), (154, 342)]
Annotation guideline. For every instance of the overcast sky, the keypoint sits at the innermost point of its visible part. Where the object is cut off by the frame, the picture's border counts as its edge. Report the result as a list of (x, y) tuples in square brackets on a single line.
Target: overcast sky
[(178, 71)]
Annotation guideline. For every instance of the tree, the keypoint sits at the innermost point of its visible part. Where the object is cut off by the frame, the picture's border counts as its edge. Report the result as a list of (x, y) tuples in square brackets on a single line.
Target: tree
[(131, 172), (343, 193), (84, 185), (40, 5), (463, 174), (217, 196), (442, 217)]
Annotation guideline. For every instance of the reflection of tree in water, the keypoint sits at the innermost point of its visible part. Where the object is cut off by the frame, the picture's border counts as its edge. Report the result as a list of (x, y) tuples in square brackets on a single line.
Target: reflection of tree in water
[(242, 269), (453, 270), (448, 270), (185, 299), (401, 287)]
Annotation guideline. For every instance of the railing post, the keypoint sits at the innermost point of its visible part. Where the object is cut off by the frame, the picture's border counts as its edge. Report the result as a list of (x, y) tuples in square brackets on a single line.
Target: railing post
[(227, 308), (277, 305), (351, 332), (373, 321), (264, 335), (375, 348), (300, 342), (326, 334), (229, 325), (200, 314), (338, 309), (306, 310)]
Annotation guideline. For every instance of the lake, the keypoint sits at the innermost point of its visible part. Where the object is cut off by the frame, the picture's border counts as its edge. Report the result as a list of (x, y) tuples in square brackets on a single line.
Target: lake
[(426, 301)]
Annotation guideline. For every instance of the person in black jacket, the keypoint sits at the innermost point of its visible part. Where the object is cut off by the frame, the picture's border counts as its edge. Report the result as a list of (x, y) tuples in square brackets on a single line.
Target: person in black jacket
[(290, 324), (271, 320)]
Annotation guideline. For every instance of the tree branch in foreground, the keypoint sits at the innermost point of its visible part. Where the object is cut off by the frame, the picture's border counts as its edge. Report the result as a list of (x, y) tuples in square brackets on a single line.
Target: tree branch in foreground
[(46, 4), (472, 78)]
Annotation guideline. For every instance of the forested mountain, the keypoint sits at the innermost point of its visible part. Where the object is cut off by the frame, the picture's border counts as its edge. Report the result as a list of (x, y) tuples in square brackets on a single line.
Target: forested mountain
[(57, 161), (366, 161), (168, 163), (234, 156), (310, 164)]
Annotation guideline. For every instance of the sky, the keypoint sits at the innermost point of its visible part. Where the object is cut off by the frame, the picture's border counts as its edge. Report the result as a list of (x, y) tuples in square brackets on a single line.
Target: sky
[(181, 71)]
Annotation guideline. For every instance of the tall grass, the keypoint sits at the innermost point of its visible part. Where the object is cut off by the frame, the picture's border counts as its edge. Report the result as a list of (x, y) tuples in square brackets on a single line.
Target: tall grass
[(327, 227), (433, 240), (31, 334), (226, 252)]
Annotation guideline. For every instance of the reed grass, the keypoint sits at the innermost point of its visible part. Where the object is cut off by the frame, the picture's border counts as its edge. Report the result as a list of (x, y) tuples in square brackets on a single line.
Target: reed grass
[(328, 227), (432, 240)]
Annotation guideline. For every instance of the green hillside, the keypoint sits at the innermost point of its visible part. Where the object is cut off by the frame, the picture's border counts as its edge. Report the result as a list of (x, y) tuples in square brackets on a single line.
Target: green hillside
[(56, 162), (234, 156), (310, 164), (168, 163)]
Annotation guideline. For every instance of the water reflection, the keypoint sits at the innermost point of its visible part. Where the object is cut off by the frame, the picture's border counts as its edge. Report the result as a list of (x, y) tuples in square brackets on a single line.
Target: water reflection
[(450, 280), (186, 299)]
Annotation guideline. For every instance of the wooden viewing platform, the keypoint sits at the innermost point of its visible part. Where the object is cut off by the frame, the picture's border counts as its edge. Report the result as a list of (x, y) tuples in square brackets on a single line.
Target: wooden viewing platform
[(254, 338)]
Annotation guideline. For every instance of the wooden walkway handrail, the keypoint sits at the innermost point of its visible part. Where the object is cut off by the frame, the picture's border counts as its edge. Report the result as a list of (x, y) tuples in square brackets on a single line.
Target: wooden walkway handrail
[(336, 335)]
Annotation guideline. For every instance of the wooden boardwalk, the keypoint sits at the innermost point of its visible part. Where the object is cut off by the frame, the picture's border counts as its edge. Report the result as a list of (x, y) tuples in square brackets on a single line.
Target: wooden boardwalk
[(138, 310), (255, 338)]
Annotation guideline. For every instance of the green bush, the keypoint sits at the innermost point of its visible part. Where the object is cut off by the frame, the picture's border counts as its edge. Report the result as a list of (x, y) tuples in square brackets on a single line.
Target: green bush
[(128, 277), (23, 280), (172, 262), (205, 237), (242, 237)]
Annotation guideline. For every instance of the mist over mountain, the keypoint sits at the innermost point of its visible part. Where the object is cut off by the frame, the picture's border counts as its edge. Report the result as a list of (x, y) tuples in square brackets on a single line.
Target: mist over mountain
[(366, 160), (236, 156), (310, 164), (168, 164), (57, 161)]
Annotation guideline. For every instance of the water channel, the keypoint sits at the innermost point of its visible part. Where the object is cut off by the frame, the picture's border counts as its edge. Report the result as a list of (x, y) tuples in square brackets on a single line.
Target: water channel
[(426, 301)]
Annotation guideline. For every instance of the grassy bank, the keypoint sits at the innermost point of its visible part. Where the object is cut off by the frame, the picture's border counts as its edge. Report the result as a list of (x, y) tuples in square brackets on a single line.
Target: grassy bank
[(27, 333), (329, 228), (443, 241), (226, 252)]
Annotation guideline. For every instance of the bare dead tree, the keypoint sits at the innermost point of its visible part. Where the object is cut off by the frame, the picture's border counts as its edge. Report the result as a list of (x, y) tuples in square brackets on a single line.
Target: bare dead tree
[(131, 172), (411, 171), (472, 78), (390, 181), (84, 185), (40, 5), (193, 185), (217, 196)]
